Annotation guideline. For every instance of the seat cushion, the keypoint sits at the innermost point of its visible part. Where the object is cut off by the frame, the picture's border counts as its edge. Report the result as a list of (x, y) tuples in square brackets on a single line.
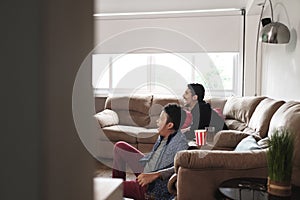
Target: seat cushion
[(123, 133)]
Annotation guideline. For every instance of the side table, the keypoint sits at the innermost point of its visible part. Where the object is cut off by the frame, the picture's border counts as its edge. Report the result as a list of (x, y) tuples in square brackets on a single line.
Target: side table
[(251, 189)]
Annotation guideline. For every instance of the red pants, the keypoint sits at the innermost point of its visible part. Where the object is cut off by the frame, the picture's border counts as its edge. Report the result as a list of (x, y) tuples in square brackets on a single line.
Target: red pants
[(124, 154)]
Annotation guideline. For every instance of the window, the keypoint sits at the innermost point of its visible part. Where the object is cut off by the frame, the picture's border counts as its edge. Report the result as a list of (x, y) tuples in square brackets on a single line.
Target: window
[(164, 73)]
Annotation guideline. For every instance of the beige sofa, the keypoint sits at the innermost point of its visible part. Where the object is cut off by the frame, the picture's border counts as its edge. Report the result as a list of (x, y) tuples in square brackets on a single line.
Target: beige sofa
[(200, 172), (130, 119)]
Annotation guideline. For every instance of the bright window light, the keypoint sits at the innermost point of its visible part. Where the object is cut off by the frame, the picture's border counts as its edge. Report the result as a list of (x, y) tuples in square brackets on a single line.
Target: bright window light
[(158, 73)]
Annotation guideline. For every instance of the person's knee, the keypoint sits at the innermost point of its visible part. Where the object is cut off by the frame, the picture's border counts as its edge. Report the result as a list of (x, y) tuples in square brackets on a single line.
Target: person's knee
[(120, 145)]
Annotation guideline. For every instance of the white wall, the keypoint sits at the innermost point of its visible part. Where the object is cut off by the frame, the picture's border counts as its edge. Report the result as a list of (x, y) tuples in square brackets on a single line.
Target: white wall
[(249, 69), (281, 63)]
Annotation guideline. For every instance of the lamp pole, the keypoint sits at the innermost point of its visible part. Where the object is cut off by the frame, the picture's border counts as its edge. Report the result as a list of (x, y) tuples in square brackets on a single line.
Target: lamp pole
[(256, 47)]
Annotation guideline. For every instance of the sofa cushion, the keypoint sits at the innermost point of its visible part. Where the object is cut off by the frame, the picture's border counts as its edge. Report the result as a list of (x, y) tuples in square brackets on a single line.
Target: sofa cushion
[(228, 138), (217, 103), (123, 133), (264, 143), (134, 103), (158, 103), (234, 124), (246, 144), (241, 108), (107, 117), (261, 117), (133, 118), (132, 111)]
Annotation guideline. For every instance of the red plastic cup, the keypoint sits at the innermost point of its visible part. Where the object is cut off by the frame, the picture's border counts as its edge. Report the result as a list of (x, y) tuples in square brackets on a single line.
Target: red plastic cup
[(200, 136)]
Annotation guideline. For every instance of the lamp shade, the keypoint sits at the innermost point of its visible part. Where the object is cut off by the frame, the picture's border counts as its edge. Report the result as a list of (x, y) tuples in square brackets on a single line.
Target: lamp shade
[(275, 33)]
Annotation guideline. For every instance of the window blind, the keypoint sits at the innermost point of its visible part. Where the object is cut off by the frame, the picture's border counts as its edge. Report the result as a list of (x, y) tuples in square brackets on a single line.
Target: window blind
[(173, 32)]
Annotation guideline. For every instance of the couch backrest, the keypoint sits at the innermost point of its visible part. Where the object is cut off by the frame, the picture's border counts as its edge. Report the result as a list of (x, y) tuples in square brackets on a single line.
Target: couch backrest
[(217, 103), (132, 111), (261, 117), (238, 111), (288, 116), (158, 102), (139, 110)]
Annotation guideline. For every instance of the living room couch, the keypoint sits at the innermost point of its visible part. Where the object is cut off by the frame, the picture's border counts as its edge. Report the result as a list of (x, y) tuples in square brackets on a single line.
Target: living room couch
[(200, 172)]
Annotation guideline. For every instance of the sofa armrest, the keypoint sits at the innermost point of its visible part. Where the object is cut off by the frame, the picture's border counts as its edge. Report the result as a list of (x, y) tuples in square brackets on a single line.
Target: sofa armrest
[(107, 117), (172, 184), (205, 159), (229, 139)]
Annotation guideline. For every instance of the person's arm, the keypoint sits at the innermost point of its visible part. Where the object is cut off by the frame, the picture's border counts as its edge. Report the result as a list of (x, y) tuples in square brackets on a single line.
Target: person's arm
[(146, 178), (166, 173), (184, 130), (190, 135)]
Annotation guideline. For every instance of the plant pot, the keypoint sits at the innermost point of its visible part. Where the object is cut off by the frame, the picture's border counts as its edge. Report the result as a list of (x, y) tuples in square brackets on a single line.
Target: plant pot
[(282, 189)]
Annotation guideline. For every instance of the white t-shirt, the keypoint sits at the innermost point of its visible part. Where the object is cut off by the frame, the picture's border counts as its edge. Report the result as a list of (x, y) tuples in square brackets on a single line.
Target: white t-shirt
[(150, 166)]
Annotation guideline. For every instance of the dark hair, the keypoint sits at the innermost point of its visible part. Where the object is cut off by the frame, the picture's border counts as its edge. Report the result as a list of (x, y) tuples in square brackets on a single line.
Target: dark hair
[(197, 89), (176, 115)]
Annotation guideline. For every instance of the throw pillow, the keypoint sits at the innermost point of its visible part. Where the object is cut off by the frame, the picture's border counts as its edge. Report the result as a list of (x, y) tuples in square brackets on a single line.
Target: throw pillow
[(107, 117), (264, 143), (246, 144)]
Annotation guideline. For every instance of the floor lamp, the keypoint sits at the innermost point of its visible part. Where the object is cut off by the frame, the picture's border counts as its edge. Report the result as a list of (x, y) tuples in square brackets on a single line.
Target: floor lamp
[(272, 33)]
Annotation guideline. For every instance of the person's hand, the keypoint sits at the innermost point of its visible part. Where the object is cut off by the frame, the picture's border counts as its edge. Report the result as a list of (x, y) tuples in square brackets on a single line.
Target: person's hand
[(146, 178)]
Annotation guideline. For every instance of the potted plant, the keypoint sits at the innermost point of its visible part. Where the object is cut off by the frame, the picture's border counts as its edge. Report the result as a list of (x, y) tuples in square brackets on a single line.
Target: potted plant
[(280, 166)]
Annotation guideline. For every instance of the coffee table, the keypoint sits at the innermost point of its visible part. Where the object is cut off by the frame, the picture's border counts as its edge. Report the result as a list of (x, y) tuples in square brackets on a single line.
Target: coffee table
[(251, 189)]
